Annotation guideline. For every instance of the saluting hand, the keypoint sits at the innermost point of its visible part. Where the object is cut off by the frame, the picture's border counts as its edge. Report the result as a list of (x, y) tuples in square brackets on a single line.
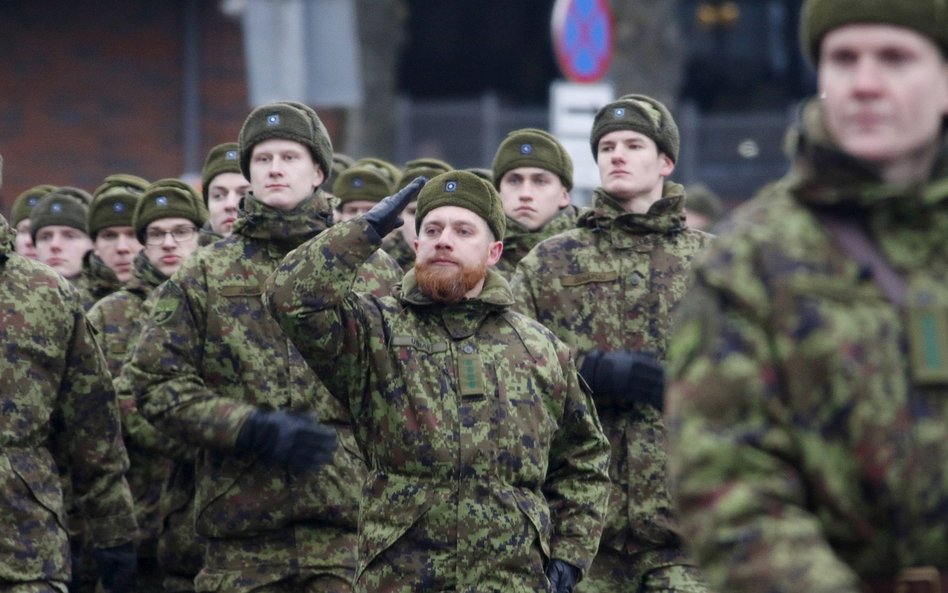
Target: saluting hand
[(384, 216)]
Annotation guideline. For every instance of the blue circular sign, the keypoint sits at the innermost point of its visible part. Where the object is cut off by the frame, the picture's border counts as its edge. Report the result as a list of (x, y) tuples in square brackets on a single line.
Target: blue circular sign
[(583, 38)]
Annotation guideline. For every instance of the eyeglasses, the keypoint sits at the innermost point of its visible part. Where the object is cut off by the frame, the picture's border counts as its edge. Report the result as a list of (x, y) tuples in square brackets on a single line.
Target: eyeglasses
[(179, 234)]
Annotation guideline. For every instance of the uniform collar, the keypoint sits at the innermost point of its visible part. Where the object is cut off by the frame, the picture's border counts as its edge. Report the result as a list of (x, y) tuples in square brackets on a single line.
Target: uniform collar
[(665, 216), (286, 229)]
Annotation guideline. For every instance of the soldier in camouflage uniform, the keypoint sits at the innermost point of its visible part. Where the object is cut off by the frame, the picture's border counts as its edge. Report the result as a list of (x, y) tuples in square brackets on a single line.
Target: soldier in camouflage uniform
[(533, 174), (808, 401), (109, 265), (223, 187), (400, 244), (20, 218), (58, 228), (276, 498), (59, 412), (607, 288), (166, 220), (487, 464)]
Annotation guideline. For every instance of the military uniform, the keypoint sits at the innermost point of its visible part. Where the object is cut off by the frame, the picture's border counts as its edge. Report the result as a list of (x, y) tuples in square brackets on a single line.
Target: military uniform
[(60, 412), (518, 241), (116, 317), (807, 413), (611, 284), (207, 357), (96, 281), (485, 456), (403, 253)]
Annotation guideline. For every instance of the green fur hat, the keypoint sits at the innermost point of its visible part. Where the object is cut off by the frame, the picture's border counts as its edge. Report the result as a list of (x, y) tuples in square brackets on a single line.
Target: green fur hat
[(465, 190), (641, 114), (819, 17), (285, 120), (530, 147)]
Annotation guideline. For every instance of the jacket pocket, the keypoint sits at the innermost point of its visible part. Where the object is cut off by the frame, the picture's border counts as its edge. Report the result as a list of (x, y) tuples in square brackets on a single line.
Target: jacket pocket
[(390, 507), (32, 499), (537, 512)]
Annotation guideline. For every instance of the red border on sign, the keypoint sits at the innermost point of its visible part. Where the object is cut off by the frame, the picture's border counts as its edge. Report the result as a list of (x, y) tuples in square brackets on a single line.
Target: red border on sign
[(563, 59)]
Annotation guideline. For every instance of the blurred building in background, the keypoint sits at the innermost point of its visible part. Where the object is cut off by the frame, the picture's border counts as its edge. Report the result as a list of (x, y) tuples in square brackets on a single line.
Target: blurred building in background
[(147, 87)]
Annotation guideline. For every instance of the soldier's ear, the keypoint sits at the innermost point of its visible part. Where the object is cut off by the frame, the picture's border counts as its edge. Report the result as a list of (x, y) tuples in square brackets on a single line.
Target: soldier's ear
[(494, 252)]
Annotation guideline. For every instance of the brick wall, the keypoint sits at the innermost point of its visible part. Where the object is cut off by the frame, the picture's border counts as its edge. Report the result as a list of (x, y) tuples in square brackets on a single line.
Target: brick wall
[(89, 88)]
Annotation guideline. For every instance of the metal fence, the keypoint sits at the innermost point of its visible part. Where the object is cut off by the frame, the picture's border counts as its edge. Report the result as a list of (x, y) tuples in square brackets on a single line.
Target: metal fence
[(734, 154)]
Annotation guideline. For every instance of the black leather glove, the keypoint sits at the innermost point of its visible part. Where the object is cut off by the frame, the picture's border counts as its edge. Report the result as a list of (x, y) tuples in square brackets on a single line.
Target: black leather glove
[(562, 575), (384, 216), (621, 378), (117, 567), (293, 440)]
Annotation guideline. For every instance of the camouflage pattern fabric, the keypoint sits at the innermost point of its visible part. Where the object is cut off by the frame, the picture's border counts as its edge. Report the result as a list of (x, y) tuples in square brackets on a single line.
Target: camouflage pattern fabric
[(207, 235), (59, 412), (616, 571), (96, 281), (116, 318), (809, 448), (400, 250), (485, 456), (518, 241), (180, 549), (611, 284), (207, 356)]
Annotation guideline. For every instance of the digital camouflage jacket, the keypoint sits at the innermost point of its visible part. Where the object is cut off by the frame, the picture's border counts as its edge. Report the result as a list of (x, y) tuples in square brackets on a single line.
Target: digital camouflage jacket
[(59, 412), (808, 414), (207, 356), (400, 251), (485, 457), (96, 281), (518, 241), (116, 317), (612, 284)]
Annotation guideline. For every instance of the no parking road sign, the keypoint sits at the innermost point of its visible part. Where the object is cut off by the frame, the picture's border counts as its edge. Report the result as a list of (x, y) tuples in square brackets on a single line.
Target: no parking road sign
[(583, 38)]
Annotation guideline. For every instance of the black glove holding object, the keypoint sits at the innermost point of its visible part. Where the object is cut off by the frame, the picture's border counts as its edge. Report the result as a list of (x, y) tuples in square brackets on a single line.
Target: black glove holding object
[(117, 567), (291, 439), (621, 378), (384, 216), (562, 575)]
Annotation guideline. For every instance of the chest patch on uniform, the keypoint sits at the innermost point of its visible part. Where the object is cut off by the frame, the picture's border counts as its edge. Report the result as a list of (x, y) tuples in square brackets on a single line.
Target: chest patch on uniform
[(587, 277), (241, 291), (418, 344), (470, 374), (927, 327), (164, 310)]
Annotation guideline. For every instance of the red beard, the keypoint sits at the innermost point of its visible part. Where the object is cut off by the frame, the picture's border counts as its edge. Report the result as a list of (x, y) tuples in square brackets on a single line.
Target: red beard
[(448, 284)]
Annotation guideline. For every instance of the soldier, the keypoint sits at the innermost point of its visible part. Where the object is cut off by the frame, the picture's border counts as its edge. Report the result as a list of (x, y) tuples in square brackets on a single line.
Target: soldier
[(359, 188), (487, 461), (607, 288), (108, 266), (533, 174), (223, 187), (276, 499), (58, 229), (808, 398), (166, 220), (59, 412), (20, 218)]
